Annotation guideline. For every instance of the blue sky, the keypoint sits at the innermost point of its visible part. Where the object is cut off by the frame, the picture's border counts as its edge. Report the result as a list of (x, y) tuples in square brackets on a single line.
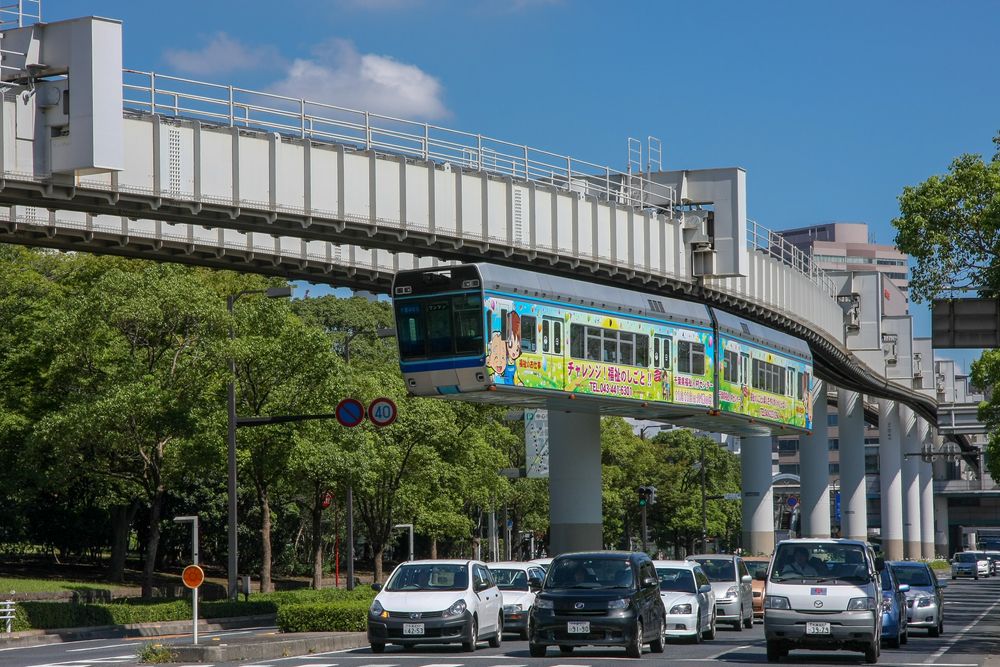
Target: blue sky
[(831, 107)]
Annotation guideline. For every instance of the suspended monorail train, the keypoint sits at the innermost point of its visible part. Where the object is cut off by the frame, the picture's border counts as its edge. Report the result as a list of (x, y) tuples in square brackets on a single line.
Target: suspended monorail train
[(482, 332)]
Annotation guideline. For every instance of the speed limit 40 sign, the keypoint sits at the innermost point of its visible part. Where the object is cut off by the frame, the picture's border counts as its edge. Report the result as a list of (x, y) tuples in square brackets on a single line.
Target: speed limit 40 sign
[(382, 412)]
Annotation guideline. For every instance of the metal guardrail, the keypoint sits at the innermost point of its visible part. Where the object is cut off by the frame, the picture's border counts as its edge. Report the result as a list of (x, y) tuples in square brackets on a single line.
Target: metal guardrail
[(7, 613), (226, 105), (20, 13)]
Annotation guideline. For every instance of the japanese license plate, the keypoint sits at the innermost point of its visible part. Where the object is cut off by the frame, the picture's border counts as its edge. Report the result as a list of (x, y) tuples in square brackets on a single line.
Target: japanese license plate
[(817, 628), (578, 627), (413, 628)]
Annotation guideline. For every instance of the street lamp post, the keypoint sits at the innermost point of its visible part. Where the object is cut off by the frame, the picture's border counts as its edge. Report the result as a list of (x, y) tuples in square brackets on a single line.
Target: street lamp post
[(233, 567)]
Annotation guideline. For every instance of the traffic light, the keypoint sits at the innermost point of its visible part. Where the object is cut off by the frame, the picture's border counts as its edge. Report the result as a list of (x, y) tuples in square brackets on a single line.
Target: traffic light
[(647, 495)]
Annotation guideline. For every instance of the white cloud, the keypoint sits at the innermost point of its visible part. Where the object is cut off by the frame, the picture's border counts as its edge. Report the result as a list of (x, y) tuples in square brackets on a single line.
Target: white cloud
[(222, 54), (338, 74)]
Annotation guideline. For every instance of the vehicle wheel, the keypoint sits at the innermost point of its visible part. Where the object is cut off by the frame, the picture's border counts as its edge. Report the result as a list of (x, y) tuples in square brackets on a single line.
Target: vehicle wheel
[(936, 630), (658, 644), (378, 648), (496, 641), (634, 649), (774, 653), (566, 649), (536, 650), (871, 653), (699, 634), (906, 635), (711, 632), (470, 645), (739, 621)]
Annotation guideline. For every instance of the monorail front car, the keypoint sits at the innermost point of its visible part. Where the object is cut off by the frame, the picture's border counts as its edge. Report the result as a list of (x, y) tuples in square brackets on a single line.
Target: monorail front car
[(483, 332)]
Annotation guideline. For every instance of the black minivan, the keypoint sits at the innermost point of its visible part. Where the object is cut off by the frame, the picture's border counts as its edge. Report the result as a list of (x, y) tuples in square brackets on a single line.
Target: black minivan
[(600, 598)]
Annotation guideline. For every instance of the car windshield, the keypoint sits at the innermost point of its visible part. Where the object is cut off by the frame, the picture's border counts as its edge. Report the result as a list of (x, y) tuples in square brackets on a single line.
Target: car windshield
[(820, 561), (582, 572), (676, 579), (429, 577), (912, 576), (965, 557), (758, 569), (717, 569), (510, 580)]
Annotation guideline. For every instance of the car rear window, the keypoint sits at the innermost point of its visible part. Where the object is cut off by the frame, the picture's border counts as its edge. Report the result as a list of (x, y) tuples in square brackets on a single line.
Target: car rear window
[(912, 576), (717, 569)]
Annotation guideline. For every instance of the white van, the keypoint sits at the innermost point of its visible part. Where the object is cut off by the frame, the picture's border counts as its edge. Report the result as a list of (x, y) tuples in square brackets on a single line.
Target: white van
[(823, 594)]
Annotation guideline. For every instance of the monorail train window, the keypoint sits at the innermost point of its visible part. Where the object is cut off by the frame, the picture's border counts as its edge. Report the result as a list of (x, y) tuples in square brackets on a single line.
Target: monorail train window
[(802, 386), (468, 315), (593, 343), (529, 333), (546, 345), (690, 357), (610, 350), (768, 377), (731, 366), (410, 330), (641, 350), (557, 328), (439, 337), (503, 323), (577, 342)]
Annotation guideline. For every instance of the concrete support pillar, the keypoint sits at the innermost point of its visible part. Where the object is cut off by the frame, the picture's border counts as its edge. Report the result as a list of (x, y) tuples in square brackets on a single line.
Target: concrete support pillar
[(851, 425), (926, 496), (814, 470), (910, 468), (890, 460), (575, 519), (758, 497), (941, 532)]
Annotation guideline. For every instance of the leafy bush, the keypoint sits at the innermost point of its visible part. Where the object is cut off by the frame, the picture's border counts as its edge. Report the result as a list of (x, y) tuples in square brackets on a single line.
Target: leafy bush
[(342, 616), (308, 595), (153, 653), (48, 615)]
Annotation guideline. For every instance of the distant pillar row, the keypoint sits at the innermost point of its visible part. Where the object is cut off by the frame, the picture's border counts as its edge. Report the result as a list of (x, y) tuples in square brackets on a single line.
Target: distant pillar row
[(853, 492), (758, 496), (575, 519), (890, 460), (814, 470)]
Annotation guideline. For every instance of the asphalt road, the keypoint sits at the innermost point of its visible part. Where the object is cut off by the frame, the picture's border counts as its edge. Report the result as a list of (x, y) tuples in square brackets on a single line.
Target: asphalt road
[(972, 634)]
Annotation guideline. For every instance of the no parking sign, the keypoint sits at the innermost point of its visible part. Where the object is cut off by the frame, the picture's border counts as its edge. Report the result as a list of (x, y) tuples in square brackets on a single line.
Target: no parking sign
[(382, 412)]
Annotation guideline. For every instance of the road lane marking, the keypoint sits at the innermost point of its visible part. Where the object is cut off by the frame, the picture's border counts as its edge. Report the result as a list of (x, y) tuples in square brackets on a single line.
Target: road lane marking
[(961, 633), (93, 648), (444, 664)]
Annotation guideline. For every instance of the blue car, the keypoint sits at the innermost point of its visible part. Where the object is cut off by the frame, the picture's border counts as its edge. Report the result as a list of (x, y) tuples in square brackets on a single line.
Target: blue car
[(894, 626)]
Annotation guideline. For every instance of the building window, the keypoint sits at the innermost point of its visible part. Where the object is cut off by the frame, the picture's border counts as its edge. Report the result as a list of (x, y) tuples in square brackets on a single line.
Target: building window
[(834, 468), (831, 419), (871, 441), (871, 464), (790, 445), (789, 469), (834, 444)]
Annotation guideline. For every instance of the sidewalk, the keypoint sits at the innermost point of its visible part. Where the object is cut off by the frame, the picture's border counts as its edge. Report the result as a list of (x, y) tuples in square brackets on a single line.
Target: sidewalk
[(279, 645)]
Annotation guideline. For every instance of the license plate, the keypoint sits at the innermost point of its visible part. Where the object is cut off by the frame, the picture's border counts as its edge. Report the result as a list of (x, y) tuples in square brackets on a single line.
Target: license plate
[(578, 627), (817, 628), (413, 628)]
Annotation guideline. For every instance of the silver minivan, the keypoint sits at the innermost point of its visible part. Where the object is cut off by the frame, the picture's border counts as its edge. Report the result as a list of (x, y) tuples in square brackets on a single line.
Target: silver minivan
[(823, 594)]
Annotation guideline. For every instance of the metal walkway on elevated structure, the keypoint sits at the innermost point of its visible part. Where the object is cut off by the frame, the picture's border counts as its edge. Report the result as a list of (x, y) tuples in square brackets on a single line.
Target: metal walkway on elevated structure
[(332, 184)]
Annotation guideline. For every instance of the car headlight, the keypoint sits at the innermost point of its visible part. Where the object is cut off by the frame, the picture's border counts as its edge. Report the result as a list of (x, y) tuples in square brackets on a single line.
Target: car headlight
[(542, 603), (377, 610), (776, 602), (456, 609), (861, 604), (512, 608), (924, 602), (621, 603), (681, 609), (732, 592)]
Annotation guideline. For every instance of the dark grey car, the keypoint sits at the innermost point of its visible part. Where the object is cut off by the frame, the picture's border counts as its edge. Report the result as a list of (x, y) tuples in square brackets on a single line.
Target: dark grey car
[(925, 599)]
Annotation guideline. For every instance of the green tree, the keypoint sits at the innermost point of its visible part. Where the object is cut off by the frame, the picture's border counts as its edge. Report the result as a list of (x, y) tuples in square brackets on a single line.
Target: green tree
[(950, 226)]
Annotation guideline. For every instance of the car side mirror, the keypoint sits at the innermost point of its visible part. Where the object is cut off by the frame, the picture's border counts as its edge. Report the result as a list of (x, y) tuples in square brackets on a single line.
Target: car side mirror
[(903, 588), (482, 586), (942, 583), (746, 579), (650, 581), (534, 584), (879, 563), (376, 587), (705, 588)]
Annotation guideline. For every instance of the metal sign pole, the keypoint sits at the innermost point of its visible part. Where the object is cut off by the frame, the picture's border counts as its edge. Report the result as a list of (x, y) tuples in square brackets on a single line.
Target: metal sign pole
[(194, 591)]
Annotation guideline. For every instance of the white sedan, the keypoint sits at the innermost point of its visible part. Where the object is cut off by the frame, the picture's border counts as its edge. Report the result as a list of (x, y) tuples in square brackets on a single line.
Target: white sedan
[(514, 581), (688, 598)]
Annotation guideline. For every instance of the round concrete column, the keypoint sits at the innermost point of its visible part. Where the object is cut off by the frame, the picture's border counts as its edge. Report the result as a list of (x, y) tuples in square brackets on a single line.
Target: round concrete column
[(758, 499), (910, 468), (889, 460), (814, 470), (941, 532), (851, 431), (575, 519), (926, 496)]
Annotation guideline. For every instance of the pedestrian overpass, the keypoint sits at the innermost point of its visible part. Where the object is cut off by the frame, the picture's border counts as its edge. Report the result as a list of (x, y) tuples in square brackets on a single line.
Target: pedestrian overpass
[(97, 158)]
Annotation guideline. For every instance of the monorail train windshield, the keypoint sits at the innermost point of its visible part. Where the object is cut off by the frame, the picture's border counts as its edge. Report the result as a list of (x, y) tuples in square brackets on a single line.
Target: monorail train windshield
[(432, 327)]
